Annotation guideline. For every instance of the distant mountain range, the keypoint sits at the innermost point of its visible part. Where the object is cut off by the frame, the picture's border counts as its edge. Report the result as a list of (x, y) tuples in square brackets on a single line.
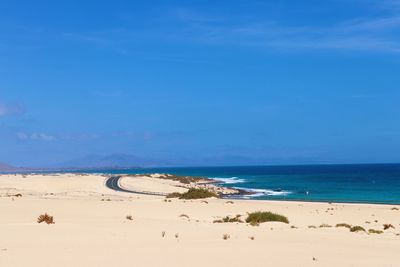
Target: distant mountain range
[(113, 161), (9, 168)]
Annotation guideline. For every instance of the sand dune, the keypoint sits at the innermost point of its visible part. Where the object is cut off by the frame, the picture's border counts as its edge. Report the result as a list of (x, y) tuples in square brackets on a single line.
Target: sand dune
[(91, 228)]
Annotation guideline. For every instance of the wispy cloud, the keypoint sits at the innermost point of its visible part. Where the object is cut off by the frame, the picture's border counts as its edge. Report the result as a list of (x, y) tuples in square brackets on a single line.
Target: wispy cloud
[(183, 25), (11, 109), (379, 34), (36, 136)]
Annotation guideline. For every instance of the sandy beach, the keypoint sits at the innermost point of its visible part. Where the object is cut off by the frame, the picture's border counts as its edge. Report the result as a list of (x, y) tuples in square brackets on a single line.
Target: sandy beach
[(93, 227)]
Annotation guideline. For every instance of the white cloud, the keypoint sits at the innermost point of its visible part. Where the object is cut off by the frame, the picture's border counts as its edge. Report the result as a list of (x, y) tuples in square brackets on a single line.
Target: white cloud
[(36, 136)]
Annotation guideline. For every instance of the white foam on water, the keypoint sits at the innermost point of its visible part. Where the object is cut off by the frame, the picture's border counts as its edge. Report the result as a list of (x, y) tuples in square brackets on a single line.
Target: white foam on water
[(231, 180), (262, 192)]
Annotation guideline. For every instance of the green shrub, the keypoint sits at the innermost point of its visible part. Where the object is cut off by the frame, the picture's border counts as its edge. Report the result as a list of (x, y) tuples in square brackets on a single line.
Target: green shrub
[(258, 217), (228, 219), (357, 228), (197, 193), (174, 195), (193, 193), (343, 225), (373, 231)]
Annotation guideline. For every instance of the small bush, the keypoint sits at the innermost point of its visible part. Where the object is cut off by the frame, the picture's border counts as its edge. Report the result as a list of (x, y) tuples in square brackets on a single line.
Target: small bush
[(226, 236), (251, 237), (45, 218), (325, 226), (162, 233), (357, 228), (312, 226), (197, 193), (395, 208), (129, 217), (184, 216), (229, 202), (343, 225), (387, 226), (174, 195), (258, 217), (373, 231), (228, 219)]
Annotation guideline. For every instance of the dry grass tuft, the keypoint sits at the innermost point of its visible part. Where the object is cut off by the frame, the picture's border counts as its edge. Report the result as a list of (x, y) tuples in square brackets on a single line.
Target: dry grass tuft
[(343, 225), (373, 231), (387, 226), (45, 218), (357, 228), (228, 219)]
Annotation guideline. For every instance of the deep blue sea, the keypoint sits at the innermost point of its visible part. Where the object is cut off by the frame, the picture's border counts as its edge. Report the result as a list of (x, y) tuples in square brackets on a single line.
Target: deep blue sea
[(366, 183)]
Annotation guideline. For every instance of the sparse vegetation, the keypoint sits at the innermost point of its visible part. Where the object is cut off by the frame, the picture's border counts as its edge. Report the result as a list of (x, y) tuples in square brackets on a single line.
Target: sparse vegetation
[(312, 226), (387, 226), (193, 193), (174, 195), (162, 233), (255, 218), (129, 217), (229, 202), (373, 231), (226, 236), (357, 228), (343, 225), (45, 218), (176, 235), (184, 216), (228, 219), (325, 226), (251, 237), (395, 208)]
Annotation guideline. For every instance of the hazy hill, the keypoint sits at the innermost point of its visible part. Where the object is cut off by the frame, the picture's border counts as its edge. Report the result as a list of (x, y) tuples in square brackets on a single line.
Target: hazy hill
[(111, 161)]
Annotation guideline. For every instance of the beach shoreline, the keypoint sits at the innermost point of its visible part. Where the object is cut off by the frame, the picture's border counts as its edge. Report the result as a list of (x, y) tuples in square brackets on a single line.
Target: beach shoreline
[(93, 222)]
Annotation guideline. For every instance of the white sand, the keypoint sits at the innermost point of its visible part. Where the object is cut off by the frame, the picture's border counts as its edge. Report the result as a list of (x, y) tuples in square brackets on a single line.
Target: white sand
[(92, 231)]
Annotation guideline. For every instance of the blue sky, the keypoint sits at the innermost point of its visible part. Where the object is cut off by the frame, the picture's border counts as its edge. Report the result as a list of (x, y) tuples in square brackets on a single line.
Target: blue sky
[(200, 82)]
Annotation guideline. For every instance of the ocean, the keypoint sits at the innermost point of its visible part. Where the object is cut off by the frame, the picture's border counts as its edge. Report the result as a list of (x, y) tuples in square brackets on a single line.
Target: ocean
[(363, 183)]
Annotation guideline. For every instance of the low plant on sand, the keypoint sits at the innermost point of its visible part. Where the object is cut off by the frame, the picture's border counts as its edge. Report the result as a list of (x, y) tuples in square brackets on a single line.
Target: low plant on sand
[(228, 219), (174, 195), (357, 228), (226, 236), (255, 218), (45, 218), (184, 216), (325, 225), (373, 231), (312, 226), (129, 217), (387, 226), (343, 225), (193, 193)]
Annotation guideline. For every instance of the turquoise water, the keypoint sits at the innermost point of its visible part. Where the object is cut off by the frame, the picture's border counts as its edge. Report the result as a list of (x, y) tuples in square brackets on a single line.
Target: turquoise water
[(377, 183)]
